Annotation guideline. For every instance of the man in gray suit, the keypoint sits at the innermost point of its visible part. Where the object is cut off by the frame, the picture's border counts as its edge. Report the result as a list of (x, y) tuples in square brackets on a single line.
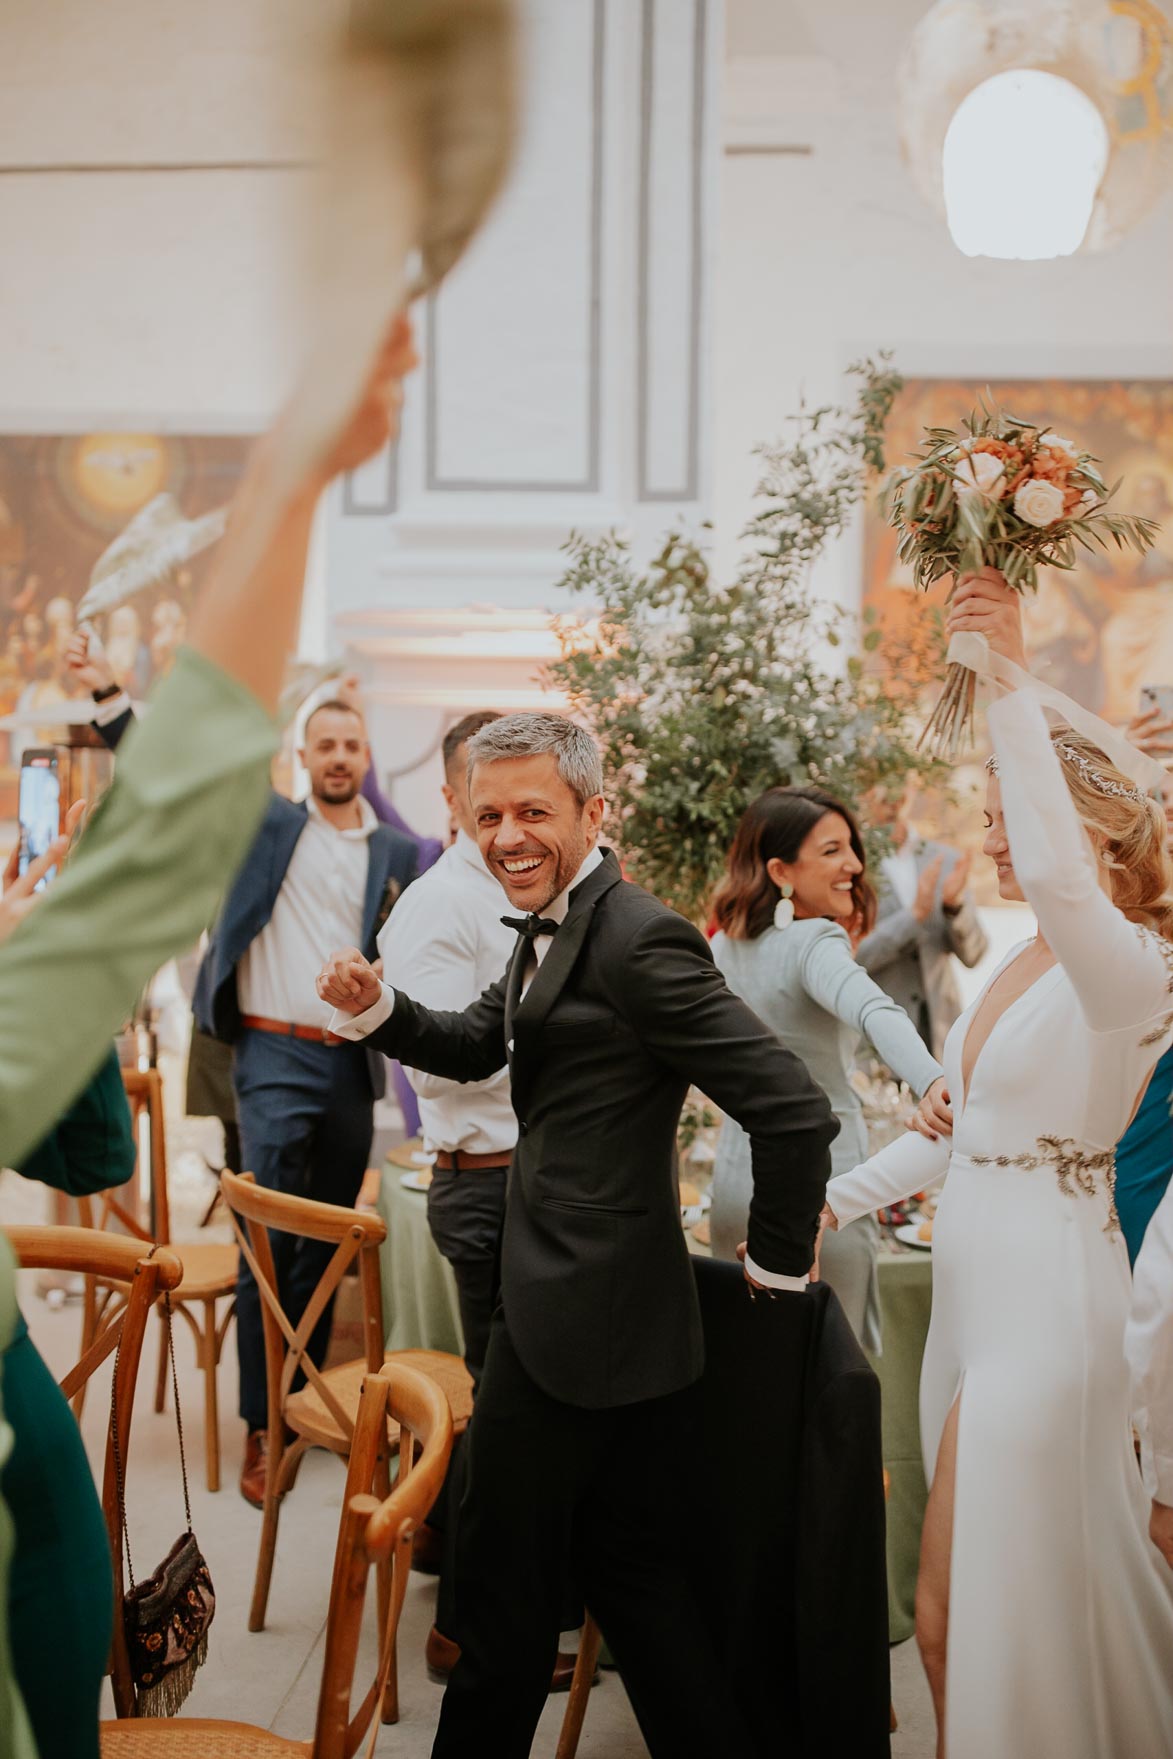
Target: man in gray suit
[(925, 914)]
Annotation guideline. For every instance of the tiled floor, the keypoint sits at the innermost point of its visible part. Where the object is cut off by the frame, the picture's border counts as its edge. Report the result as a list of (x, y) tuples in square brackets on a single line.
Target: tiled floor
[(271, 1677)]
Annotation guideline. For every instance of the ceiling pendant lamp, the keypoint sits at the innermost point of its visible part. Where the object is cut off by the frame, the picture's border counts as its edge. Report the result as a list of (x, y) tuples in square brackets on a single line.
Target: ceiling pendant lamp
[(1039, 127)]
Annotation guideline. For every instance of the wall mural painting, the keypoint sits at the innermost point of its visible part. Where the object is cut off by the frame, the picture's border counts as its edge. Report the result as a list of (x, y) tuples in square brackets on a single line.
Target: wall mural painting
[(64, 501), (1098, 633)]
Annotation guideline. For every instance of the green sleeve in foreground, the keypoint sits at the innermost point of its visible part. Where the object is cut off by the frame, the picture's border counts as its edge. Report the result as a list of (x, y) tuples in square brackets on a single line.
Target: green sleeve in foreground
[(160, 850)]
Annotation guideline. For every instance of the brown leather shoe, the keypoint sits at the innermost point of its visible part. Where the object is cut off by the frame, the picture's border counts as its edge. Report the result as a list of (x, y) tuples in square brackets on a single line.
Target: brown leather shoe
[(427, 1550), (442, 1654), (564, 1672), (255, 1468)]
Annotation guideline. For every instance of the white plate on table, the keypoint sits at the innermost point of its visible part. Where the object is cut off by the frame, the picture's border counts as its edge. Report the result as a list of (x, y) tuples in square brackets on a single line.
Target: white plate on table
[(909, 1235), (417, 1181)]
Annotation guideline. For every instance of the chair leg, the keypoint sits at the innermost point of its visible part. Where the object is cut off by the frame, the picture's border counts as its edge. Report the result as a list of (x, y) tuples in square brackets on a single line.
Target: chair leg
[(389, 1710), (282, 1471), (89, 1331), (161, 1370), (209, 1358), (590, 1643)]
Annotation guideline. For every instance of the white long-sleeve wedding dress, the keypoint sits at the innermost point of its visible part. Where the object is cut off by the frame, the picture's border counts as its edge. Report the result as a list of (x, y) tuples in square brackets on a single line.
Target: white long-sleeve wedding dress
[(1060, 1639)]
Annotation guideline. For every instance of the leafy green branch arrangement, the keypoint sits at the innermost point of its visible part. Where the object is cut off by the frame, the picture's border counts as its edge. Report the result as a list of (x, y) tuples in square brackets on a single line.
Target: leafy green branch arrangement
[(703, 695)]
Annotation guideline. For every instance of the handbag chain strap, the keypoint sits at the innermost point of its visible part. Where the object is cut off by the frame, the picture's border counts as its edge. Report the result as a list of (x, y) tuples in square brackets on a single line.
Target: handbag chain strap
[(119, 1473)]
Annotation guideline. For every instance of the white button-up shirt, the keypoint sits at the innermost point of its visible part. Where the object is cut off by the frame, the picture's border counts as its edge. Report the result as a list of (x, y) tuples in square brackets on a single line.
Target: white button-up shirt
[(443, 944), (319, 908)]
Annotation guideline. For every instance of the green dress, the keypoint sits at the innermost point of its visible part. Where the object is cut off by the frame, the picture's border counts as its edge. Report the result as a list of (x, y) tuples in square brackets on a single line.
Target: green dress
[(61, 1580), (159, 851)]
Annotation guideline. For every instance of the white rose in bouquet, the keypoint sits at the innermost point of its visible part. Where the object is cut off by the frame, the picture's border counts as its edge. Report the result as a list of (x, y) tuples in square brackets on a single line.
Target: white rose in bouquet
[(1057, 443), (1038, 503), (980, 473)]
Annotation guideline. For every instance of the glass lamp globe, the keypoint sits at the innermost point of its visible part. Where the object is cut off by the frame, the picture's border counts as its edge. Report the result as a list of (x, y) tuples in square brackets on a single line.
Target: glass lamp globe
[(996, 202)]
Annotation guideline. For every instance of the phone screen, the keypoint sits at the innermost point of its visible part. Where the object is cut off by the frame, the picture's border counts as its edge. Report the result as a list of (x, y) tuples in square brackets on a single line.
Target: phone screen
[(40, 808), (1159, 697)]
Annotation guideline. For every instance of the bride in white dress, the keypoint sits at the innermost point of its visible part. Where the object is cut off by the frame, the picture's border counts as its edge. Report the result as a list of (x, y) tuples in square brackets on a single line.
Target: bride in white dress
[(1044, 1613)]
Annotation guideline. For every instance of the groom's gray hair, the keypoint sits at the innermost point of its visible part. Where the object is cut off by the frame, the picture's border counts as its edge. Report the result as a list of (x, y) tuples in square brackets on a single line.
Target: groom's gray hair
[(580, 762)]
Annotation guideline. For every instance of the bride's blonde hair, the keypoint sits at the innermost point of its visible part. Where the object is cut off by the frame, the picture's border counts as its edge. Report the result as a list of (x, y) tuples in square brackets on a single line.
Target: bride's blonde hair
[(1126, 825)]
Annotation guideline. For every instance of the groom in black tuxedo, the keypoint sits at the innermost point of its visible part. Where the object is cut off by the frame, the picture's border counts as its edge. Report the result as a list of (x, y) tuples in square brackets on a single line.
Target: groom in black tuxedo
[(610, 1009)]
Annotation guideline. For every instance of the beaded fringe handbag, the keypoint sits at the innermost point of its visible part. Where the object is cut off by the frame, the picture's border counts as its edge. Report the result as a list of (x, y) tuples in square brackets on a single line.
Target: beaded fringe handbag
[(166, 1616)]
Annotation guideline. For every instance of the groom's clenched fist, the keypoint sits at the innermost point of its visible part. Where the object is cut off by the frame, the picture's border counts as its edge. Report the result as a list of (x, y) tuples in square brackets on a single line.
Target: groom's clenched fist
[(348, 982)]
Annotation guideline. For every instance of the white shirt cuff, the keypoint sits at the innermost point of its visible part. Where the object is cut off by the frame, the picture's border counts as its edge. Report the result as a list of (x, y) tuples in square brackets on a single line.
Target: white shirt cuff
[(110, 709), (771, 1279), (356, 1027)]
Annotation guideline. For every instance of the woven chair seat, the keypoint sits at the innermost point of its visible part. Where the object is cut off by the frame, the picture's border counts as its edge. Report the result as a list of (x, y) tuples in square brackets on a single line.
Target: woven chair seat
[(209, 1268), (142, 1737), (307, 1413)]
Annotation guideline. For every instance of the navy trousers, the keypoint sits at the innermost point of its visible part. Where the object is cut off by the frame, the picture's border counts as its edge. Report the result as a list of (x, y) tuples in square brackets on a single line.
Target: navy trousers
[(306, 1120)]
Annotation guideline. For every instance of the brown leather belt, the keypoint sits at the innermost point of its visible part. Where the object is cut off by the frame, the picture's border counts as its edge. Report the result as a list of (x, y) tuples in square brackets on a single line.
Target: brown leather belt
[(283, 1028), (461, 1161)]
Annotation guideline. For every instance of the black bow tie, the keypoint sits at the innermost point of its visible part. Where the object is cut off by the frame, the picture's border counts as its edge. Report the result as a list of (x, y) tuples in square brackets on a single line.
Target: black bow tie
[(530, 926)]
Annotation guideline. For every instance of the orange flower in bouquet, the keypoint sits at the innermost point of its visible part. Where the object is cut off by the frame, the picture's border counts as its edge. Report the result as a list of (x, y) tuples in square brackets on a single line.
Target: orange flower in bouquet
[(1002, 493)]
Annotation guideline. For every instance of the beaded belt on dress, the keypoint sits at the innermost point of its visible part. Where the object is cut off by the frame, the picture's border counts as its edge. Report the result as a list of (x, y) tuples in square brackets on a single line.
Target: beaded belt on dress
[(1078, 1169)]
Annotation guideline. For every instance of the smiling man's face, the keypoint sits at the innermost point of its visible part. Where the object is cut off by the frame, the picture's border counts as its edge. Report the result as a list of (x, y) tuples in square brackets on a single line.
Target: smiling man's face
[(336, 754), (531, 830)]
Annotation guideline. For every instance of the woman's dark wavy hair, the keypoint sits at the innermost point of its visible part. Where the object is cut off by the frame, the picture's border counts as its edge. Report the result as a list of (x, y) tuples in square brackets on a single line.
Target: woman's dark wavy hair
[(776, 825)]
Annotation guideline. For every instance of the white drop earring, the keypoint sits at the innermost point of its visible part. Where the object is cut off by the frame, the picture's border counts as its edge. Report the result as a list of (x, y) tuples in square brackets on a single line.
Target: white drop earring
[(784, 908)]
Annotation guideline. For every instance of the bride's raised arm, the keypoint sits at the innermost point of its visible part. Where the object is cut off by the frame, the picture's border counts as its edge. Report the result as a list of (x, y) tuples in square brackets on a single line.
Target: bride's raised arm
[(1118, 971)]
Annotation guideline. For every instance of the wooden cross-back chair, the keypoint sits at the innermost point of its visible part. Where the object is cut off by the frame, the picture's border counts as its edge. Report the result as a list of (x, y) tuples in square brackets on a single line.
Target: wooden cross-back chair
[(145, 1277), (323, 1412), (209, 1267), (372, 1531)]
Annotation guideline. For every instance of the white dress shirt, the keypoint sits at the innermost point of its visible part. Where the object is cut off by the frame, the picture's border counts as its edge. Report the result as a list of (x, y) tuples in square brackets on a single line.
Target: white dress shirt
[(319, 908), (110, 708), (1148, 1344), (443, 944)]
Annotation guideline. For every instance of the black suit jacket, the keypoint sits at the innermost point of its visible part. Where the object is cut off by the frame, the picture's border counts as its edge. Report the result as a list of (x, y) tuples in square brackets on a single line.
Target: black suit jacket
[(626, 1011), (794, 1584)]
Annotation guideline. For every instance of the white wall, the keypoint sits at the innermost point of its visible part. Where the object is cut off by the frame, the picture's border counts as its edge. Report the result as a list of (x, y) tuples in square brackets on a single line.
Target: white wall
[(828, 253), (152, 223)]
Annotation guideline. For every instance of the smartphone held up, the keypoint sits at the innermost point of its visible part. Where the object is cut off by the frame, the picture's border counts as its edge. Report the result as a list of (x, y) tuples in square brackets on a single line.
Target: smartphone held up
[(39, 808)]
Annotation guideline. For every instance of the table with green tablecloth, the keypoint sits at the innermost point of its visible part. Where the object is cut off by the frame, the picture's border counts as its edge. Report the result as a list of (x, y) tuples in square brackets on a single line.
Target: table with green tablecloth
[(906, 1294), (420, 1306), (421, 1311)]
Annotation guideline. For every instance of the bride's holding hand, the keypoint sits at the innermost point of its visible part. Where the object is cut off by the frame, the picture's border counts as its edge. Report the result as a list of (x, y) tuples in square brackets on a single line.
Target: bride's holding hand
[(1044, 1614)]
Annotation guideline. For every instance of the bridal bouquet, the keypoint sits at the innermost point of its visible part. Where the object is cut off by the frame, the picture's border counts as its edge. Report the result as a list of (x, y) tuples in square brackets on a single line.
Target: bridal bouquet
[(1006, 494)]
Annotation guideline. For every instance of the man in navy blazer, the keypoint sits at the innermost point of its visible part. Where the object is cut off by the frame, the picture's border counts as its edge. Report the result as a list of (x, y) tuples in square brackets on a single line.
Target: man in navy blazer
[(305, 1108)]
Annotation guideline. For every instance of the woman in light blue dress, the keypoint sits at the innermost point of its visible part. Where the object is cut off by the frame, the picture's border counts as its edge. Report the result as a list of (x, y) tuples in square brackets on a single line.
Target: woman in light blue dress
[(797, 884)]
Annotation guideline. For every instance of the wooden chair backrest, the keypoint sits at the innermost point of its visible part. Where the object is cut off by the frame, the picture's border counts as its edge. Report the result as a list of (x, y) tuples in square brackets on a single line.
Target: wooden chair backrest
[(147, 1277), (144, 1093), (373, 1532), (354, 1236)]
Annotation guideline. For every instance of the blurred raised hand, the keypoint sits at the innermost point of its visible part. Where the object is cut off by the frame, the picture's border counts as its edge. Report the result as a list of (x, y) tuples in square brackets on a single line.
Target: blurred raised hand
[(20, 893)]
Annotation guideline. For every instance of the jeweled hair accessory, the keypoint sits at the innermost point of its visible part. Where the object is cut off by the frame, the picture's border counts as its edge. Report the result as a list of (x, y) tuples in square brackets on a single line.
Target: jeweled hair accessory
[(1101, 783)]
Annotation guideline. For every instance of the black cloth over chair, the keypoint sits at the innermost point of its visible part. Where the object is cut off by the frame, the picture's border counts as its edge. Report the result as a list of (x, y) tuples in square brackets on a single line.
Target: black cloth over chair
[(790, 1568)]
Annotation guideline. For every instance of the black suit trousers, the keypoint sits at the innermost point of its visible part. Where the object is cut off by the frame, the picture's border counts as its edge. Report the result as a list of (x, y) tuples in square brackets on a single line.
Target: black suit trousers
[(556, 1491)]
